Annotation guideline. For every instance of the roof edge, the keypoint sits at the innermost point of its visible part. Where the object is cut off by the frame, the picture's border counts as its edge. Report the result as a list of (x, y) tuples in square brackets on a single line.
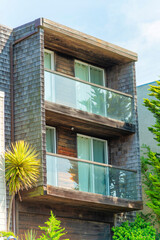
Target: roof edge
[(84, 37)]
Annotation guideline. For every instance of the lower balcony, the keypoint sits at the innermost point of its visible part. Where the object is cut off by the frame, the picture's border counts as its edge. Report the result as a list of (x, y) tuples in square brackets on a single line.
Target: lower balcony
[(92, 184), (91, 177), (88, 185)]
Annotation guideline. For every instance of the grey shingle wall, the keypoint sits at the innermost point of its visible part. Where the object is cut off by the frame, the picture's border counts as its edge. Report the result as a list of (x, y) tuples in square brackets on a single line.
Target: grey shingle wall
[(28, 87), (125, 150)]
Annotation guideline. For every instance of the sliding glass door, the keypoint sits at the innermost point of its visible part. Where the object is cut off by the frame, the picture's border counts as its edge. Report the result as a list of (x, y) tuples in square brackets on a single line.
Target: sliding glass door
[(92, 177)]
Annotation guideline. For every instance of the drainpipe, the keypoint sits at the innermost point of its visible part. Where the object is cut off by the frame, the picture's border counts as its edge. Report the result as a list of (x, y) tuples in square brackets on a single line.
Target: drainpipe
[(38, 23)]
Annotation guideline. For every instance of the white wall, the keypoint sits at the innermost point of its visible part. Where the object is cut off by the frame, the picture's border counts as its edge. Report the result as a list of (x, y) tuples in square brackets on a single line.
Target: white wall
[(2, 172)]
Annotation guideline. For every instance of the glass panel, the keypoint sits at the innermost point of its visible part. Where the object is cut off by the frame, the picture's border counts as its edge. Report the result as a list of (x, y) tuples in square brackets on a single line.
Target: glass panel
[(98, 151), (96, 76), (49, 86), (82, 96), (47, 60), (122, 183), (84, 174), (50, 140), (82, 71), (63, 172), (51, 171), (100, 173), (119, 107)]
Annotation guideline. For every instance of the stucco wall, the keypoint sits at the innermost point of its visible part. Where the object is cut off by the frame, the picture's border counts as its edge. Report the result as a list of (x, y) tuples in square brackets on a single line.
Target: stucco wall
[(2, 168)]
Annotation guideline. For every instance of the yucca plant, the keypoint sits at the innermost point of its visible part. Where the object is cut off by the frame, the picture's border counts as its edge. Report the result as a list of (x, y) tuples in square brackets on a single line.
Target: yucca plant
[(21, 170)]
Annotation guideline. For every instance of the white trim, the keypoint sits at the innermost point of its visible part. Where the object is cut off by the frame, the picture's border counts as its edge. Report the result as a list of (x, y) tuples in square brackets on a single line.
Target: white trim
[(3, 217)]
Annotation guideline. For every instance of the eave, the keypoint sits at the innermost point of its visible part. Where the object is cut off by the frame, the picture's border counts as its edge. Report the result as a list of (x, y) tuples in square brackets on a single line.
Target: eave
[(80, 45)]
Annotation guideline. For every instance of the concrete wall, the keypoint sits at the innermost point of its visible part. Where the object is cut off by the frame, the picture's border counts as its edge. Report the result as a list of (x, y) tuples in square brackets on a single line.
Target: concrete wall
[(2, 168)]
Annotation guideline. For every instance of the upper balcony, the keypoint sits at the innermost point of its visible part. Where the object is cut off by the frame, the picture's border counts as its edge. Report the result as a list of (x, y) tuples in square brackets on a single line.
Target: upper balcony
[(88, 102)]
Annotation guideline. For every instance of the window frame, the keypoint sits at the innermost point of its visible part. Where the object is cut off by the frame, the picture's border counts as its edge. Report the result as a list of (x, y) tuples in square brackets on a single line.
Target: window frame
[(55, 143), (52, 59), (89, 74), (92, 138)]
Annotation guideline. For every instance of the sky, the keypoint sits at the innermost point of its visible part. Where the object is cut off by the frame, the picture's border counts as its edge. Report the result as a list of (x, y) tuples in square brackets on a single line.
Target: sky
[(132, 24)]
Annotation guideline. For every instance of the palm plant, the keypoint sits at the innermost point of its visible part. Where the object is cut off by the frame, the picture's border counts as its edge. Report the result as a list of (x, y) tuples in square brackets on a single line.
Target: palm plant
[(21, 169)]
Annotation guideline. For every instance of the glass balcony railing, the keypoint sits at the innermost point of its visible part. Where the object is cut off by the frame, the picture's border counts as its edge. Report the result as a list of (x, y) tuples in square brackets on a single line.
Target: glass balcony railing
[(88, 97), (86, 176)]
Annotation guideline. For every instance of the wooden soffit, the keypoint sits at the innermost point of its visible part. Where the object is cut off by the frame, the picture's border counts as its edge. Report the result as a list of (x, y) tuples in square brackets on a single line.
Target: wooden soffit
[(80, 45)]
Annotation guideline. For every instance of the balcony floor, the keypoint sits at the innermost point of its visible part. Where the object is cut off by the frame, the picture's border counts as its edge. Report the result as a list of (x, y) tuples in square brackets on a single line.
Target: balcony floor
[(84, 122), (74, 198)]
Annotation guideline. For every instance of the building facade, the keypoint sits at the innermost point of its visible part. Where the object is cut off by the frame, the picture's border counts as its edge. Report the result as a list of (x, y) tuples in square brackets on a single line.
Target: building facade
[(73, 97)]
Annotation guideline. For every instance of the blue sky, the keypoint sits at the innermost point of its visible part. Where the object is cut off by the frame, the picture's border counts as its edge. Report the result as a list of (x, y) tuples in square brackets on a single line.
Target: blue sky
[(132, 24)]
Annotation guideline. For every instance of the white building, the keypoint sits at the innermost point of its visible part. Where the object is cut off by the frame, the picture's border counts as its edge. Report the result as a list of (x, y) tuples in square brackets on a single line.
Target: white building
[(2, 168)]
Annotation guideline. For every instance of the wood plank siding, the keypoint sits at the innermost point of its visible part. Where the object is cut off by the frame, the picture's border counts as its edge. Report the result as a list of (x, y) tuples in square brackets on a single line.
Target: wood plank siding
[(66, 142), (80, 223), (64, 64)]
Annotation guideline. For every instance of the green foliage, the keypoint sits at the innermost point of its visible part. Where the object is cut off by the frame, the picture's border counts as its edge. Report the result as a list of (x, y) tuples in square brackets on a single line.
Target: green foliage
[(52, 230), (30, 235), (5, 235), (154, 107), (137, 230), (150, 160), (21, 169), (21, 166)]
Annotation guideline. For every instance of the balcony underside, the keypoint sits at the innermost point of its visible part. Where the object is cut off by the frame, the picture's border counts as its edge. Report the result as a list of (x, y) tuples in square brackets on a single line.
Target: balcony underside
[(51, 195), (84, 122), (83, 46)]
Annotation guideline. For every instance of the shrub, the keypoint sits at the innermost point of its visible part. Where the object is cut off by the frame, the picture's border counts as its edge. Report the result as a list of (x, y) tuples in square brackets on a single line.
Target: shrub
[(52, 230), (137, 230), (5, 235)]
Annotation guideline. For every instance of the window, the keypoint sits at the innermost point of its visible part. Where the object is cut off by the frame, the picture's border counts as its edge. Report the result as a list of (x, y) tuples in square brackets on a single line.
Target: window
[(48, 59), (51, 148), (50, 139), (92, 178), (49, 79), (89, 73)]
